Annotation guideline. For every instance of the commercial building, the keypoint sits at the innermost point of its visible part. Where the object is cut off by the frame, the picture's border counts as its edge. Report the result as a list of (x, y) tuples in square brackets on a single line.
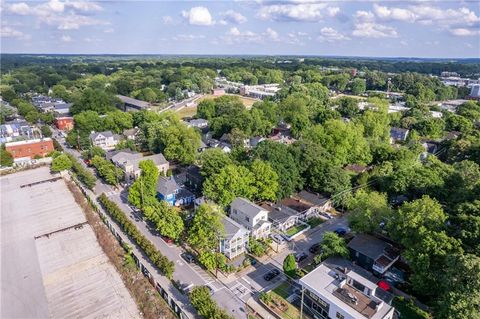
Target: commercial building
[(64, 123), (131, 104), (27, 150), (475, 92), (251, 216), (343, 293)]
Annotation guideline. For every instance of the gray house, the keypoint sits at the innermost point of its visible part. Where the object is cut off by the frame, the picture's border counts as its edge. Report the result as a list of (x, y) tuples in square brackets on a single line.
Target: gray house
[(251, 216), (235, 239), (129, 162)]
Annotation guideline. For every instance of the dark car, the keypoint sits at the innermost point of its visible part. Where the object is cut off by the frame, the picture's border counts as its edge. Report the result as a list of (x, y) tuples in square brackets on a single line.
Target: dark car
[(300, 256), (315, 248), (188, 257), (271, 274), (340, 231)]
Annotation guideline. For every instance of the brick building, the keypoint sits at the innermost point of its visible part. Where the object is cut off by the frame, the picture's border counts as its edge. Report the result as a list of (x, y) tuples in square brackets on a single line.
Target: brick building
[(64, 123), (24, 150)]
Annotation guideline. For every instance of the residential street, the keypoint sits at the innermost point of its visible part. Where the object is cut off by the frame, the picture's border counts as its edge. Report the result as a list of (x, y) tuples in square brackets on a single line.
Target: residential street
[(230, 293)]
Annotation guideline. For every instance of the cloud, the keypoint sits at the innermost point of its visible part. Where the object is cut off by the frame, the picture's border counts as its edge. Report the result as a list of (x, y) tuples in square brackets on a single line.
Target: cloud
[(9, 32), (66, 38), (232, 17), (109, 30), (167, 20), (64, 15), (463, 32), (198, 16), (364, 16), (234, 35), (373, 30), (398, 14), (271, 34), (299, 11), (328, 34), (187, 37)]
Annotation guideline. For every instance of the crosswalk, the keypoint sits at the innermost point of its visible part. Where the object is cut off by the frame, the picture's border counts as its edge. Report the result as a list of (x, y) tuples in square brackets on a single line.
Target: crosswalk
[(240, 290), (111, 193)]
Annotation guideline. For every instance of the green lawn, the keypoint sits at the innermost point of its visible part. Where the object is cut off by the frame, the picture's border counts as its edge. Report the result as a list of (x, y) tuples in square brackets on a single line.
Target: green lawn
[(408, 310), (314, 222), (295, 229), (282, 290)]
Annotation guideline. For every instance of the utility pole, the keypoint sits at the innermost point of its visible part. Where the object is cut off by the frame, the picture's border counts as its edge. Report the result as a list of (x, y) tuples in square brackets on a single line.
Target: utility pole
[(301, 303)]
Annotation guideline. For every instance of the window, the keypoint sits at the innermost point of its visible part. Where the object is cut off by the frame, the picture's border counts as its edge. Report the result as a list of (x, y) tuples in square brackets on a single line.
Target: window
[(247, 219), (340, 316)]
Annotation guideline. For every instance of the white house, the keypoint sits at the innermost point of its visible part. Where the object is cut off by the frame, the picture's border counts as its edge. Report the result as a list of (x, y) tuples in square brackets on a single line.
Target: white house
[(337, 292), (129, 162), (105, 140), (235, 239), (251, 216)]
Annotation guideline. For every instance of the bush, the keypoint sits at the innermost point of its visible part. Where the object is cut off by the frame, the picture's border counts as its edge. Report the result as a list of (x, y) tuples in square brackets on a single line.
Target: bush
[(162, 262)]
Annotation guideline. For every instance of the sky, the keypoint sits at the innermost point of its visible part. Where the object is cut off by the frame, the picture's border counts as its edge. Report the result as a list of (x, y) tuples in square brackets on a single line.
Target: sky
[(420, 28)]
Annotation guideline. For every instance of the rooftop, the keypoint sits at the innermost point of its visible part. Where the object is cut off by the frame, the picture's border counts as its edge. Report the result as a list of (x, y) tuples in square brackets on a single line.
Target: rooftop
[(341, 286), (231, 227), (312, 198), (368, 245), (26, 142), (246, 207), (166, 185), (295, 204), (132, 101)]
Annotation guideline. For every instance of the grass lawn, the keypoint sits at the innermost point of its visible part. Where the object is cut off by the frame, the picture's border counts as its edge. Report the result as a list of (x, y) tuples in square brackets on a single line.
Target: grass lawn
[(408, 309), (282, 290), (187, 111), (247, 101), (295, 229), (314, 222)]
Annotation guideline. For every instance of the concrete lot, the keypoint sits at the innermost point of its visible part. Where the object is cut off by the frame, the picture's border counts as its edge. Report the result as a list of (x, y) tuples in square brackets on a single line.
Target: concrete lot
[(64, 275)]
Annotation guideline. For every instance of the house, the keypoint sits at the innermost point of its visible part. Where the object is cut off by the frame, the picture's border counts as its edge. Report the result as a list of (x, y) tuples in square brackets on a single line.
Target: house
[(129, 162), (194, 179), (14, 130), (430, 147), (105, 140), (356, 168), (254, 141), (235, 239), (29, 149), (131, 134), (251, 216), (131, 104), (331, 291), (169, 191), (320, 204), (218, 92), (372, 253), (198, 123), (398, 134), (62, 108), (64, 123), (281, 217), (303, 210)]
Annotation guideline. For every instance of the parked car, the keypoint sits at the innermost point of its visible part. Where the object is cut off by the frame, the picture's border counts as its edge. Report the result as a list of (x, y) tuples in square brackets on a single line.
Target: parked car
[(300, 256), (271, 274), (341, 231), (315, 248), (277, 238), (168, 240), (188, 257), (326, 215)]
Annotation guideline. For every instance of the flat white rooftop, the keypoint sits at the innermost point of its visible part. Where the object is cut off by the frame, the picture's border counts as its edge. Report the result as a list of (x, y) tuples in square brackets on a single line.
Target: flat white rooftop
[(63, 275)]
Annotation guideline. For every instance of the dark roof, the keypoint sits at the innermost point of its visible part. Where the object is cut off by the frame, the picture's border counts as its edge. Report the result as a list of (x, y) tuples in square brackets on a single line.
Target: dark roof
[(295, 204), (398, 133), (369, 246), (356, 168), (132, 131), (311, 198), (278, 213), (246, 207), (134, 102), (166, 185)]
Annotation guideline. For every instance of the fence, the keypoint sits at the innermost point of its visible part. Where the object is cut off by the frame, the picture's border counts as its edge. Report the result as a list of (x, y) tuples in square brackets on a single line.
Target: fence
[(171, 300)]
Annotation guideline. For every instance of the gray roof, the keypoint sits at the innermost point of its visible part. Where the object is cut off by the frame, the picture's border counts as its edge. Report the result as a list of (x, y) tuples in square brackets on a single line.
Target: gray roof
[(312, 198), (120, 157), (279, 213), (132, 101), (94, 135), (166, 185), (231, 227), (368, 245), (132, 131), (246, 207)]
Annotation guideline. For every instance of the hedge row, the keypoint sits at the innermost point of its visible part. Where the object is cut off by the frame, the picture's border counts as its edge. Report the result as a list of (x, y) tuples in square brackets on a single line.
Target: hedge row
[(83, 174), (162, 262)]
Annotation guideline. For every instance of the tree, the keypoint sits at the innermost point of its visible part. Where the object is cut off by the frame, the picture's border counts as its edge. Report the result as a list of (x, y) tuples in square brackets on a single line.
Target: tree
[(283, 163), (206, 307), (61, 163), (332, 180), (348, 107), (359, 86), (333, 245), (144, 188), (290, 265), (46, 131), (93, 100), (206, 228), (368, 210), (265, 180), (212, 160), (170, 223), (6, 159), (232, 181), (107, 170)]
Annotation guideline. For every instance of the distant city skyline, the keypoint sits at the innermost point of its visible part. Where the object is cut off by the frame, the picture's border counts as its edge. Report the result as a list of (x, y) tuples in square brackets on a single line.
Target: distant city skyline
[(429, 29)]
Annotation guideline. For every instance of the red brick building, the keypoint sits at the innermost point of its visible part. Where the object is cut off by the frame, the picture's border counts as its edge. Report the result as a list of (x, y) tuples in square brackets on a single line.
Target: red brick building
[(30, 149), (64, 123)]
